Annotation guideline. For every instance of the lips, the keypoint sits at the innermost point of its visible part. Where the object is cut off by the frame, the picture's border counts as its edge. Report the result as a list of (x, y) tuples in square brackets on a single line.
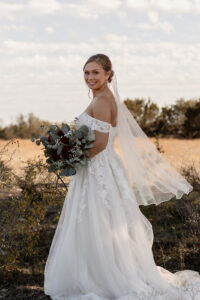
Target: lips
[(91, 83)]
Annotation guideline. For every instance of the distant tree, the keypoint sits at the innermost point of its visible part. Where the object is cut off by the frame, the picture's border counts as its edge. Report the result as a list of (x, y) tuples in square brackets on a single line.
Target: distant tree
[(172, 118), (181, 119), (24, 128), (145, 113), (192, 121)]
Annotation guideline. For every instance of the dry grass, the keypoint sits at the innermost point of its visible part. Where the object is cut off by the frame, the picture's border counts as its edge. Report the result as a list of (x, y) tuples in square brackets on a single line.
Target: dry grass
[(177, 152), (182, 152)]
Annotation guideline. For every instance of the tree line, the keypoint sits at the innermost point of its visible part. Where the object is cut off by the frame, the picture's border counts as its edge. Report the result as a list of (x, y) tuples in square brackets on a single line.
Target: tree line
[(180, 120)]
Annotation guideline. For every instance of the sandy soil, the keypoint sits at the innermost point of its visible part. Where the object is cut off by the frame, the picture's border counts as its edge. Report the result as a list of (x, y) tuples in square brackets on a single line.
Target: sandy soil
[(177, 152)]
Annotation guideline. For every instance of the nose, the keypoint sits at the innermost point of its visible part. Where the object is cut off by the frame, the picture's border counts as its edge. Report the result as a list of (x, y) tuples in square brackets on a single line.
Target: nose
[(90, 76)]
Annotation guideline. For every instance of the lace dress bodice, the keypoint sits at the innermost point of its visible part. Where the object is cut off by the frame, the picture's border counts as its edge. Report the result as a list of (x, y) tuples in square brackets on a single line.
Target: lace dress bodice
[(99, 125)]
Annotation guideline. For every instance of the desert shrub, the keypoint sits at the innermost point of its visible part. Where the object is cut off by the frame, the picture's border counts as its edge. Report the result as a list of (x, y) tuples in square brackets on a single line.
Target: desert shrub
[(30, 216), (176, 226), (6, 176)]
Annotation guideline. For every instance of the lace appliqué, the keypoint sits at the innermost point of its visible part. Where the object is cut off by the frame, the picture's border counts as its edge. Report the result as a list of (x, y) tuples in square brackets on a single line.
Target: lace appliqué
[(92, 123), (96, 167), (83, 202)]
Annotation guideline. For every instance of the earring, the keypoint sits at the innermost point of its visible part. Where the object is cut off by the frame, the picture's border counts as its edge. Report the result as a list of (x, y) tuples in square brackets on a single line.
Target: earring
[(89, 93)]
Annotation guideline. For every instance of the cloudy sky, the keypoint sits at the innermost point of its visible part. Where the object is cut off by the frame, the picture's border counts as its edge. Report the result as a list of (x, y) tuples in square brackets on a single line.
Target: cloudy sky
[(154, 46)]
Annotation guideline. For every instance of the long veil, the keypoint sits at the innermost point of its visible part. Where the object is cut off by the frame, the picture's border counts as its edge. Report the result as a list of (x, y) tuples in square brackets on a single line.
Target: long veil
[(152, 178)]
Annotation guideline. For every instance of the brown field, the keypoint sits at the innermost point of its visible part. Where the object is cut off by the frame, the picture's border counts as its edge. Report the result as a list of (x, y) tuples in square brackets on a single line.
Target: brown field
[(177, 152)]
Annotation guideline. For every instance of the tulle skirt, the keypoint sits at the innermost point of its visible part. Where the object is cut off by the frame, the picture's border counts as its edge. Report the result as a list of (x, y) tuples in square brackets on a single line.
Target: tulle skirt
[(102, 247)]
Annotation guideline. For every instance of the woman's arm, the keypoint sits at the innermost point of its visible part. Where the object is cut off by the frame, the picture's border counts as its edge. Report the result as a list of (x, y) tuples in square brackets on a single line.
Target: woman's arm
[(101, 110)]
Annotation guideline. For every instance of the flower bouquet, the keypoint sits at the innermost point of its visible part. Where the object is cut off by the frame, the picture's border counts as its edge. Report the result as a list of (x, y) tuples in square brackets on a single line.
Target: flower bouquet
[(66, 150)]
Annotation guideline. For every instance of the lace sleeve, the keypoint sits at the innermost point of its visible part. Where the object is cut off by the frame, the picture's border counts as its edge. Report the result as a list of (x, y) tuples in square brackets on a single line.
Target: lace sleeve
[(100, 126), (94, 124)]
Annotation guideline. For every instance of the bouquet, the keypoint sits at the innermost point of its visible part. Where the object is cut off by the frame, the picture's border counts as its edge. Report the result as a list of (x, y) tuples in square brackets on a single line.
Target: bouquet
[(66, 150)]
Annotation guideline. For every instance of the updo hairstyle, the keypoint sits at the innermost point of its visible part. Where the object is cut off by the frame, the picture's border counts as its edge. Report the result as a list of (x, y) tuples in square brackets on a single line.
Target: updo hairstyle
[(104, 61)]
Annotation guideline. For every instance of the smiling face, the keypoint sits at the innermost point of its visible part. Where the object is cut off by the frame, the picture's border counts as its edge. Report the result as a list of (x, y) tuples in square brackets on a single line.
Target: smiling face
[(95, 76)]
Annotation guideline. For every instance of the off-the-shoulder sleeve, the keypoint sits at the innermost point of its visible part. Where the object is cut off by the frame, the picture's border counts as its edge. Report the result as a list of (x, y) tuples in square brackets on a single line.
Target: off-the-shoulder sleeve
[(100, 126), (94, 124)]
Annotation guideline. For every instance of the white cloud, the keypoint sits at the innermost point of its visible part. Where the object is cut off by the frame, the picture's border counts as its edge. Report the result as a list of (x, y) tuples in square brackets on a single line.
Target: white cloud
[(138, 5), (10, 11), (152, 63), (44, 6), (181, 6), (163, 26), (89, 9), (14, 27), (93, 9), (49, 29), (172, 6), (153, 16)]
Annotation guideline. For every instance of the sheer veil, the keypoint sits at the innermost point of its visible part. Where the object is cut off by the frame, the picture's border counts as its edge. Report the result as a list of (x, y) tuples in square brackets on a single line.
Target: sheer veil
[(152, 178)]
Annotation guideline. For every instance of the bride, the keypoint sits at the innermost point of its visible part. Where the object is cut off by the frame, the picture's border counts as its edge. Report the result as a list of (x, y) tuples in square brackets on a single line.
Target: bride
[(102, 246)]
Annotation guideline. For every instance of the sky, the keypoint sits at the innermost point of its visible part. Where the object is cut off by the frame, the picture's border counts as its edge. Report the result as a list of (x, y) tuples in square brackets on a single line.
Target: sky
[(154, 46)]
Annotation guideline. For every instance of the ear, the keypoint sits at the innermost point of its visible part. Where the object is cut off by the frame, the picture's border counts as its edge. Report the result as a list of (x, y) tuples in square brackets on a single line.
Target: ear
[(108, 74)]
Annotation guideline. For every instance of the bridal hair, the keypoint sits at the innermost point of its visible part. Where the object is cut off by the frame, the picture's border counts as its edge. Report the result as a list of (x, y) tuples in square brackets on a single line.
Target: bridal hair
[(104, 61)]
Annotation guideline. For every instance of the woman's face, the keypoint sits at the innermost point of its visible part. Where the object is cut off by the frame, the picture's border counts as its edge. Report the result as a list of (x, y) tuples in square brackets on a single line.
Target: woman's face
[(95, 76)]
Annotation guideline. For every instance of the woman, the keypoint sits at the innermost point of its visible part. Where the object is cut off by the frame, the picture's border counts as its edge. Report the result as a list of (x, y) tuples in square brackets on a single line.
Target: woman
[(102, 247)]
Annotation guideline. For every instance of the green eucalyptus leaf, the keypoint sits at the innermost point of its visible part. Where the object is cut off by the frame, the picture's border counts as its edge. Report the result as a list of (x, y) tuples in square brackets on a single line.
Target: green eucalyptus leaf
[(78, 134), (65, 128), (83, 162), (88, 146), (52, 168), (68, 172), (52, 127), (60, 148)]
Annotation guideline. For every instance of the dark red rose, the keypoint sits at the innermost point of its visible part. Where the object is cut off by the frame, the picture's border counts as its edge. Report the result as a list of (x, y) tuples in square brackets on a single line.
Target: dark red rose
[(60, 133), (55, 156), (50, 140), (66, 153), (64, 140)]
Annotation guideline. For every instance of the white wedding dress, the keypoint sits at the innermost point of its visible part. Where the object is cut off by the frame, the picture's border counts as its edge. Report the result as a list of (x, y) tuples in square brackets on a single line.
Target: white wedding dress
[(102, 247)]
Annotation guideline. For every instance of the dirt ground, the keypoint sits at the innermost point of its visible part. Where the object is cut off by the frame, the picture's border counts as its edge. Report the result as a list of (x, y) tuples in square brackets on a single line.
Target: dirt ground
[(177, 152)]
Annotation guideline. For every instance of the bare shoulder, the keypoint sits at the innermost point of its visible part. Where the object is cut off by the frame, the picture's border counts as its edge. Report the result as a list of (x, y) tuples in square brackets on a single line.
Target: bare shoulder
[(102, 108), (106, 100)]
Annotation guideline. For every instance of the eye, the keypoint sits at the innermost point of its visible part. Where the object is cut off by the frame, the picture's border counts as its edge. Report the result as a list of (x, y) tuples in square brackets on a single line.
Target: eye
[(96, 72)]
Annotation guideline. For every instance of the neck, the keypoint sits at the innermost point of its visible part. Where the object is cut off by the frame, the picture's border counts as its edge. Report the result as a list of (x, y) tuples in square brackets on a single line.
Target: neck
[(101, 90)]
